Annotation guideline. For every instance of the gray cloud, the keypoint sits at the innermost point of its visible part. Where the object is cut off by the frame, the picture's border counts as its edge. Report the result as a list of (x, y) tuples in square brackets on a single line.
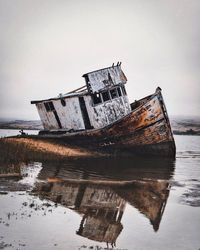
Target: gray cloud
[(45, 47)]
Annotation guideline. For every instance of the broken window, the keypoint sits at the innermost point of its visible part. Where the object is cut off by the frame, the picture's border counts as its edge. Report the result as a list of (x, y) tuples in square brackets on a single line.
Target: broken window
[(119, 91), (124, 90), (105, 96), (49, 106), (96, 98), (63, 102), (113, 93)]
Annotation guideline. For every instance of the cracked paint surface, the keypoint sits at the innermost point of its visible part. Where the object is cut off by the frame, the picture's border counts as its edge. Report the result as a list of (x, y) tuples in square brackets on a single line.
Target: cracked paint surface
[(105, 78)]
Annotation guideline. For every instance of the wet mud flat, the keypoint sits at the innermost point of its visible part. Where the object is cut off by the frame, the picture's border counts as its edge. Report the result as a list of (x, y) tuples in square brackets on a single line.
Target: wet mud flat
[(102, 203)]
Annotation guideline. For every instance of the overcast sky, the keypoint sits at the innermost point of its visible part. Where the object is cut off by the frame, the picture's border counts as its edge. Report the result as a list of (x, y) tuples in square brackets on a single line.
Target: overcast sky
[(46, 46)]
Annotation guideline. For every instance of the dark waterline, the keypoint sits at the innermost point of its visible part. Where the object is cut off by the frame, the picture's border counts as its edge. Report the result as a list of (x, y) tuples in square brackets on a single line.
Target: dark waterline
[(122, 203)]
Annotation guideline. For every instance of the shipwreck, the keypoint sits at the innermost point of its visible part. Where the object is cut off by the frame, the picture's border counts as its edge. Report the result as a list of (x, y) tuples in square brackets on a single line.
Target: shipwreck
[(100, 116)]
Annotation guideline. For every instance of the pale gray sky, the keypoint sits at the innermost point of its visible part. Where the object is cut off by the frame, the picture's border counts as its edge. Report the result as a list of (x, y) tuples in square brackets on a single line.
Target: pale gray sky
[(46, 46)]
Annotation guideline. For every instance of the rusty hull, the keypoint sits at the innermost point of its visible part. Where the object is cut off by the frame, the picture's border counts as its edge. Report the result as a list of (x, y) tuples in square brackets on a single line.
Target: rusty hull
[(145, 130)]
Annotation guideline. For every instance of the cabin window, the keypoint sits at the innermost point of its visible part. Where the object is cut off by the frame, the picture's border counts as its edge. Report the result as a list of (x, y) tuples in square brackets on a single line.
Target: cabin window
[(124, 90), (113, 93), (119, 91), (105, 96), (49, 106), (63, 102), (96, 98)]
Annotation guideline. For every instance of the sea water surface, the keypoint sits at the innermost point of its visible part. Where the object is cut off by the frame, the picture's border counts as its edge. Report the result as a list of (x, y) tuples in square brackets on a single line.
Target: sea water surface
[(105, 203)]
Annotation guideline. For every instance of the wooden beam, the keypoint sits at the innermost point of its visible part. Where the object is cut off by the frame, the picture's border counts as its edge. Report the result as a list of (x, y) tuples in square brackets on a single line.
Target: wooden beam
[(76, 90)]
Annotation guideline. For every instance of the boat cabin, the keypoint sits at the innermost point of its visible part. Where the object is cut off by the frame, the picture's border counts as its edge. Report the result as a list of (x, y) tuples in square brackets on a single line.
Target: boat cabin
[(102, 101)]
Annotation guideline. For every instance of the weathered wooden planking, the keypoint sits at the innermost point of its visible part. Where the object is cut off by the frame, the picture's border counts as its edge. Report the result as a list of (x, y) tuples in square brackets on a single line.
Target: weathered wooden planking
[(104, 78)]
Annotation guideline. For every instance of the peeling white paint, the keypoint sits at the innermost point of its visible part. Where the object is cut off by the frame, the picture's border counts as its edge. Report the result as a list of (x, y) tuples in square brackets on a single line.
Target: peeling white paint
[(47, 118), (72, 112), (105, 78), (105, 113), (70, 115)]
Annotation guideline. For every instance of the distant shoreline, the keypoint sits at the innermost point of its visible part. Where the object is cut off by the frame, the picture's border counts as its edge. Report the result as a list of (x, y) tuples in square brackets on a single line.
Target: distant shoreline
[(175, 132), (18, 128), (180, 125)]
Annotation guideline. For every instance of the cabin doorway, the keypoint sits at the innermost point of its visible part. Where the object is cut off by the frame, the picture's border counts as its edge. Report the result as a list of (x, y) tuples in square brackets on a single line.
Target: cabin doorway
[(50, 107), (84, 113)]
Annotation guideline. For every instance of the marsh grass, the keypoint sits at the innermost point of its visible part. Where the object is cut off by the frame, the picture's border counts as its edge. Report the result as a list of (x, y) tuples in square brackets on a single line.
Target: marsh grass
[(17, 150)]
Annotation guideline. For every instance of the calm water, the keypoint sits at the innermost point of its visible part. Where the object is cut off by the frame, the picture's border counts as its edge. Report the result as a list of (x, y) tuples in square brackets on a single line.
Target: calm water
[(120, 204), (13, 132)]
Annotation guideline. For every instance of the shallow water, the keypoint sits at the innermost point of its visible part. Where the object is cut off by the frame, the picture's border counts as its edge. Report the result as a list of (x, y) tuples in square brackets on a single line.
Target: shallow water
[(14, 132), (94, 204)]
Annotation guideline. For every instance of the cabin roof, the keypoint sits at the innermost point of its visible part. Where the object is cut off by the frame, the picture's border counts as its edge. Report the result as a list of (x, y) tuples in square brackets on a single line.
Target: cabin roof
[(114, 66), (85, 89), (67, 95)]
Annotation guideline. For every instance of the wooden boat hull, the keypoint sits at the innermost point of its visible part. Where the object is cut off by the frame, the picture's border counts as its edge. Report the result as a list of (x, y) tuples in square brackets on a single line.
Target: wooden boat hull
[(145, 130)]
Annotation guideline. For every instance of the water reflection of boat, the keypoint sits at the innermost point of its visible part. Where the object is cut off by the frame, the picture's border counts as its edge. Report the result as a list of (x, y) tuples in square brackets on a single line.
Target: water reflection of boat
[(101, 198)]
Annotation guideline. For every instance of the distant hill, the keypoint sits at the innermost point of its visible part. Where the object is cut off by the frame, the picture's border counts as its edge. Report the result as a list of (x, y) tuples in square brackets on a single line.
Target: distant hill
[(180, 125), (20, 124), (185, 125)]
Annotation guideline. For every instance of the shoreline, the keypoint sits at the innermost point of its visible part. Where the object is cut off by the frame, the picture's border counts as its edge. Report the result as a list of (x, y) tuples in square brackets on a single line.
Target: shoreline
[(175, 132), (19, 128)]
